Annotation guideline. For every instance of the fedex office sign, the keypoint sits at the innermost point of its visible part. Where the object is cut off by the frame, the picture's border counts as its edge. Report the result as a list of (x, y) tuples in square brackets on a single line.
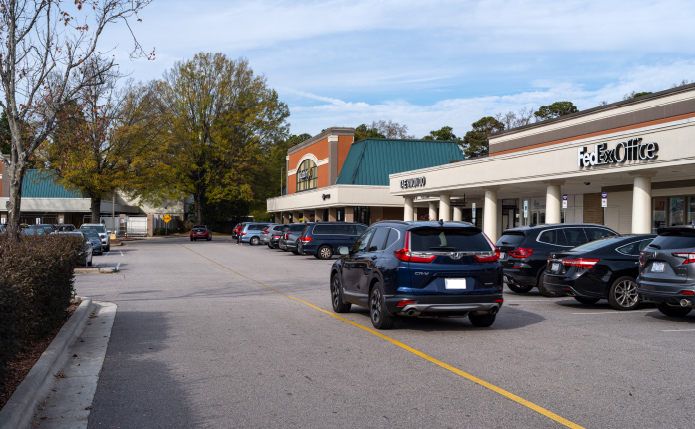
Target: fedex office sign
[(631, 150)]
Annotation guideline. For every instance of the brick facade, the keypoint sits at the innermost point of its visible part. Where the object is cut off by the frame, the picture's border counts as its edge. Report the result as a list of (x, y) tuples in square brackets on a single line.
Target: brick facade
[(593, 212)]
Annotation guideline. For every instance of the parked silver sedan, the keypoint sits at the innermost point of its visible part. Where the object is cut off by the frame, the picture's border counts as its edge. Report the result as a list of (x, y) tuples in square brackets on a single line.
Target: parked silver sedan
[(267, 233)]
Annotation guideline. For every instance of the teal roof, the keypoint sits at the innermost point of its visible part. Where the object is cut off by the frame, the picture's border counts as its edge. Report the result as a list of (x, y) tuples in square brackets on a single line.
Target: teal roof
[(43, 184), (370, 161)]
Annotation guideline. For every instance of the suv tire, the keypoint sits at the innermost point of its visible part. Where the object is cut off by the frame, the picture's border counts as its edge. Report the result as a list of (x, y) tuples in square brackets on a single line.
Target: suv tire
[(519, 288), (672, 311), (339, 305), (381, 318), (295, 252), (254, 241), (108, 248), (587, 300), (622, 294), (324, 252), (482, 320), (545, 292)]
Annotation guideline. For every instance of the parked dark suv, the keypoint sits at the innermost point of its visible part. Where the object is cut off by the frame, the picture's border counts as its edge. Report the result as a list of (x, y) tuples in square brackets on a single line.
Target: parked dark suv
[(524, 251), (324, 238), (667, 271), (290, 237), (433, 269)]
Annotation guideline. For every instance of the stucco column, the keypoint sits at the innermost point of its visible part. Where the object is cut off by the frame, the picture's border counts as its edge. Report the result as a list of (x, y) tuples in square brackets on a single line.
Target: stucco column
[(433, 212), (306, 215), (458, 213), (490, 212), (553, 201), (278, 217), (295, 216), (408, 209), (285, 218), (445, 207), (642, 202), (332, 214)]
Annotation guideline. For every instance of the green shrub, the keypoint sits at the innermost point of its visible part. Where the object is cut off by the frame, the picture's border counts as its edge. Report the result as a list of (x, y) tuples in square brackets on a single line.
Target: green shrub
[(36, 286)]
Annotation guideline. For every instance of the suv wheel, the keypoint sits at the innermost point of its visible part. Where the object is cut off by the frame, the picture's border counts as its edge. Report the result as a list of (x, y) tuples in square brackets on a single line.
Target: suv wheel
[(325, 252), (586, 300), (623, 294), (254, 241), (381, 318), (482, 320), (545, 292), (339, 306), (672, 311), (108, 248), (519, 288)]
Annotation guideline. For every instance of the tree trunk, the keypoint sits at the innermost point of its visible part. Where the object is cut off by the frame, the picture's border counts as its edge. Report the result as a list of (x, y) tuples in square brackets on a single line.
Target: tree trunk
[(14, 203), (96, 210), (198, 202)]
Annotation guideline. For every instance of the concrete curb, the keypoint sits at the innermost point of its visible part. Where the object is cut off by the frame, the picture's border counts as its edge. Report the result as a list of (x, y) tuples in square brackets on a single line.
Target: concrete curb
[(18, 411), (96, 270)]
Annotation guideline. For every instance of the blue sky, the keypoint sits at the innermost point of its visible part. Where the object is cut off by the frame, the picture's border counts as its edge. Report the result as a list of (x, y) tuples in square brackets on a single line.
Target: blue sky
[(426, 64)]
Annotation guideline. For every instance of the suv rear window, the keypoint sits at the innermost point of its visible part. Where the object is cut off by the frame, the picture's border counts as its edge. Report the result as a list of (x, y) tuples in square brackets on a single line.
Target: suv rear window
[(324, 229), (297, 228), (199, 229), (448, 239), (511, 238), (675, 240)]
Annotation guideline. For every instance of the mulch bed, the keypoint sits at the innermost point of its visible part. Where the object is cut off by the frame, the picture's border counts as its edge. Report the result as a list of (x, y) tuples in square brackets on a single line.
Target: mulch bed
[(27, 357)]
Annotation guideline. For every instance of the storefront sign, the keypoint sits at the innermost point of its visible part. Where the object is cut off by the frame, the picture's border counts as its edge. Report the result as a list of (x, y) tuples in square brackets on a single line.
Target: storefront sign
[(473, 212), (564, 201), (304, 175), (416, 182), (604, 199), (631, 150)]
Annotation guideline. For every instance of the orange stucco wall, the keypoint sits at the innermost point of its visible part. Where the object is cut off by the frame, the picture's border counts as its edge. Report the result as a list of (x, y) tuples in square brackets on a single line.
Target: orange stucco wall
[(320, 151), (344, 143)]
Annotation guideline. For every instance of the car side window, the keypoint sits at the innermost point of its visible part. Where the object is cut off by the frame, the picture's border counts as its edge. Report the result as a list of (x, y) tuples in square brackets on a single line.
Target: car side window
[(597, 233), (628, 249), (548, 237), (392, 238), (361, 244), (378, 240), (359, 229), (643, 245), (575, 236)]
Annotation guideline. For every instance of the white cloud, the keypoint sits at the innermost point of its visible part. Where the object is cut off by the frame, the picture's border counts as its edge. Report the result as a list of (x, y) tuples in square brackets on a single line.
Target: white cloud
[(459, 113)]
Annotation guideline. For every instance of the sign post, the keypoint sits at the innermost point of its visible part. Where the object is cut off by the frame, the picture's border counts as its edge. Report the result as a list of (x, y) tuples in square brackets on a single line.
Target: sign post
[(525, 212), (473, 212), (564, 208), (166, 220), (604, 204)]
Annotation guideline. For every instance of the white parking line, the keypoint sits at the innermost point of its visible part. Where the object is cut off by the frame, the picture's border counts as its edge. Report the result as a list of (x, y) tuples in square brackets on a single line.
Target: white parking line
[(534, 300), (118, 266), (121, 253), (620, 312), (94, 264), (676, 330)]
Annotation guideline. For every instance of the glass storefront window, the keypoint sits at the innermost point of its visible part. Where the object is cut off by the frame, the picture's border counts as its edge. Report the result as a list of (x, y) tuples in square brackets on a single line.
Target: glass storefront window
[(675, 211), (691, 210), (658, 213), (307, 177)]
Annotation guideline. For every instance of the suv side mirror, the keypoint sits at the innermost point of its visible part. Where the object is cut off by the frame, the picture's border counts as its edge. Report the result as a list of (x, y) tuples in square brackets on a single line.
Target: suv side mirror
[(343, 250)]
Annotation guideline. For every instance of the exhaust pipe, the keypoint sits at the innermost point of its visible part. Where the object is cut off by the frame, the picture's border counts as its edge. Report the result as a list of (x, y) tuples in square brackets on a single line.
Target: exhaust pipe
[(494, 310), (410, 312), (685, 303)]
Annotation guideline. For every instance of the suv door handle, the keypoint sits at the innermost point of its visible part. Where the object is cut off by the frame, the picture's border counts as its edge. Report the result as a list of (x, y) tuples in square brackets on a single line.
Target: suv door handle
[(374, 258)]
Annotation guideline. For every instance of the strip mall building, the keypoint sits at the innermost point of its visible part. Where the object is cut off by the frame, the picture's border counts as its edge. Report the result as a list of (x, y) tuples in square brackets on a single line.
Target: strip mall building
[(639, 152)]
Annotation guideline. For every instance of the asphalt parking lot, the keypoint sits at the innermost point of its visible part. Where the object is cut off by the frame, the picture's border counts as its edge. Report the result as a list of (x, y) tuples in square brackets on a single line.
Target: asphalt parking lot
[(209, 334)]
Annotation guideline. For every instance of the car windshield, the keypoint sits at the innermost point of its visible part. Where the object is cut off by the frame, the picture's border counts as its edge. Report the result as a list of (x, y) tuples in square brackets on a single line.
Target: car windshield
[(597, 244), (34, 231), (89, 233), (97, 228), (448, 239), (674, 240)]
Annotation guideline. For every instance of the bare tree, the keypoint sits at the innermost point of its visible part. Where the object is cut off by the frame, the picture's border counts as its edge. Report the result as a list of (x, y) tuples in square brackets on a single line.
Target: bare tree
[(391, 130), (603, 103), (513, 120), (47, 56), (682, 83)]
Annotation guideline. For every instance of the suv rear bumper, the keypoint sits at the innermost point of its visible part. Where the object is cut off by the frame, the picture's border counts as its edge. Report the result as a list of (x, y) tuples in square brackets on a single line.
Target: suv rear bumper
[(443, 306), (666, 297), (519, 276)]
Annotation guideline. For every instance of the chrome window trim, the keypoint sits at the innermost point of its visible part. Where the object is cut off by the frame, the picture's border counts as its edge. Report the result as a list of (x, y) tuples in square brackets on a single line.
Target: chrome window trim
[(628, 254), (397, 240)]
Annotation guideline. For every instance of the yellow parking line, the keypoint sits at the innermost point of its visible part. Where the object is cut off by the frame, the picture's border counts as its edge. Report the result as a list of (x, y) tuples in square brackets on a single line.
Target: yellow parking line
[(506, 394)]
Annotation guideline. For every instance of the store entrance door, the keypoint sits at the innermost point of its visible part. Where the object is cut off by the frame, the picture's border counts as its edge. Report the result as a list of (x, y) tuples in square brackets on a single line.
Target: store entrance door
[(537, 216), (510, 214)]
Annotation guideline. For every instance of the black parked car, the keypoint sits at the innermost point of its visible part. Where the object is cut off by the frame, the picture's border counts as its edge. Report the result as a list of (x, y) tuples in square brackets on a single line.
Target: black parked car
[(667, 271), (601, 269), (432, 269), (324, 238), (524, 251), (290, 237)]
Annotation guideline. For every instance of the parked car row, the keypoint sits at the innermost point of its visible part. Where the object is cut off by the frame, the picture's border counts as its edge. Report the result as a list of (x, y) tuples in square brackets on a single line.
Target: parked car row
[(452, 269)]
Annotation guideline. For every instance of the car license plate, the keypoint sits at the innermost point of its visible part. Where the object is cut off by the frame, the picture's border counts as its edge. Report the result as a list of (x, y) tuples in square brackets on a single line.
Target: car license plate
[(555, 266), (503, 255), (658, 267), (455, 283)]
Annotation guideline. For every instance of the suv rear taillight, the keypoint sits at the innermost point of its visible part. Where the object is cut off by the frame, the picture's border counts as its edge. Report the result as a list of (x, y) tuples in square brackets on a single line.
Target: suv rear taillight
[(305, 239), (641, 258), (287, 236), (265, 231), (689, 257), (406, 255), (243, 233), (521, 252), (488, 256), (581, 263)]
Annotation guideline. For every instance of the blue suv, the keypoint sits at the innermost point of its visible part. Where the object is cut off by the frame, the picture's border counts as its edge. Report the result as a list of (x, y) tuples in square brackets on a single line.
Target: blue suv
[(433, 269), (323, 239)]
